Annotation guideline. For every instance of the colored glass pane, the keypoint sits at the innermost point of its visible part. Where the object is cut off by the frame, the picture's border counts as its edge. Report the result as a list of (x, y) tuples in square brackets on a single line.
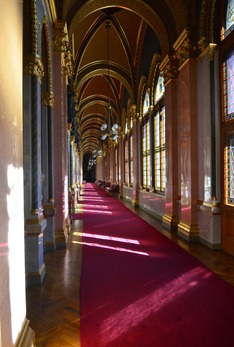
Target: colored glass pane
[(159, 91), (228, 83), (229, 169)]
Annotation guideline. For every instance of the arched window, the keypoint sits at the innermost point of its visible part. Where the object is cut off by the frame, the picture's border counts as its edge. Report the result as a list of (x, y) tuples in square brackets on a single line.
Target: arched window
[(116, 165), (227, 125), (159, 91), (131, 159), (126, 162), (146, 103), (159, 138), (229, 21), (146, 153), (145, 144), (228, 81)]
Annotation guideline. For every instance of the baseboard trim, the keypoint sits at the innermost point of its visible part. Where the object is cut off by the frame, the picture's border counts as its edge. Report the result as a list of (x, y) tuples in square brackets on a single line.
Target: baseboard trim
[(26, 337)]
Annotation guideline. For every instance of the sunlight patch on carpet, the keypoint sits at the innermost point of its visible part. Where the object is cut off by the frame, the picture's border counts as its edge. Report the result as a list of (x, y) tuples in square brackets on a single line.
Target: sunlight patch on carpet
[(118, 249), (128, 318), (109, 238)]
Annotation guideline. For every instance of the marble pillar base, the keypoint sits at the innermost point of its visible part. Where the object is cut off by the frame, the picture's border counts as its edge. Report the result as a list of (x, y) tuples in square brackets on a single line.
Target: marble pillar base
[(34, 279), (49, 244), (188, 232), (27, 336), (49, 247), (60, 239), (34, 254), (210, 225), (170, 222), (135, 202)]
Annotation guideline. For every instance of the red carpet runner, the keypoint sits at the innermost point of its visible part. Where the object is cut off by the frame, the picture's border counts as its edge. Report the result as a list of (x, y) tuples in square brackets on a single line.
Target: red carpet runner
[(139, 289)]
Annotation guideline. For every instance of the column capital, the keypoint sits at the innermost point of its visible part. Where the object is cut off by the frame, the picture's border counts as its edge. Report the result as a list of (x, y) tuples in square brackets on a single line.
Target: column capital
[(33, 66), (60, 37), (170, 67), (207, 48)]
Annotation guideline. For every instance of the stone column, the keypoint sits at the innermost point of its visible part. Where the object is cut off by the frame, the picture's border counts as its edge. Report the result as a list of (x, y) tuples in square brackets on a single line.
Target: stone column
[(48, 207), (135, 162), (112, 163), (121, 165), (34, 218), (209, 131), (188, 227), (60, 126), (170, 218), (35, 222)]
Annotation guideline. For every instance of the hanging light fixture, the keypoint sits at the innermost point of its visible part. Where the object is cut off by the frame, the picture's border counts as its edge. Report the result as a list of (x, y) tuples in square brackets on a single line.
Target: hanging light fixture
[(109, 131)]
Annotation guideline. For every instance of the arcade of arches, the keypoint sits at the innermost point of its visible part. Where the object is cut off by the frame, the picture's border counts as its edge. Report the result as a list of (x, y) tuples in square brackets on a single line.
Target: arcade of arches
[(136, 93)]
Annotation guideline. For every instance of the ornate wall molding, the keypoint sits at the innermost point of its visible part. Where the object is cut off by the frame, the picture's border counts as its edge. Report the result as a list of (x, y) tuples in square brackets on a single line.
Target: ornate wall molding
[(52, 10), (207, 20)]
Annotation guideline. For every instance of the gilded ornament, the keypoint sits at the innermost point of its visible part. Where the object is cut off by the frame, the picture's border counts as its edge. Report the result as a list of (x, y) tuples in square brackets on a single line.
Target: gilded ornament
[(48, 99), (33, 66)]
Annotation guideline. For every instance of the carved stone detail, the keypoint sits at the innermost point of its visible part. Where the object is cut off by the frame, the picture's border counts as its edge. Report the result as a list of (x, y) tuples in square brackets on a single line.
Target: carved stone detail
[(60, 38), (33, 66), (185, 47), (48, 99), (132, 112), (170, 67)]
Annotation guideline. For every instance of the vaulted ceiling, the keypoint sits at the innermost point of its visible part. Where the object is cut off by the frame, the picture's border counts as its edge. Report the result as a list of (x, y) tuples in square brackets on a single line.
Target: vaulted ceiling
[(113, 43)]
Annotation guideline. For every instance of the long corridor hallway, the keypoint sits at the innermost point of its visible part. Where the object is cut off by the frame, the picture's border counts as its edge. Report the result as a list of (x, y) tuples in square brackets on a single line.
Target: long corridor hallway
[(140, 289)]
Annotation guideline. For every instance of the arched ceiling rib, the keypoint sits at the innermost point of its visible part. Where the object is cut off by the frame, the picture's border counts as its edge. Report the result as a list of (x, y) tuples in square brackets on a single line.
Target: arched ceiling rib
[(98, 79)]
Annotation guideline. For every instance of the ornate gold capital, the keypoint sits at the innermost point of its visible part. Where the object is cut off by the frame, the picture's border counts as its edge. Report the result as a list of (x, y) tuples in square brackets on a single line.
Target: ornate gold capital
[(33, 66), (60, 37), (170, 67), (48, 99), (132, 112), (185, 47)]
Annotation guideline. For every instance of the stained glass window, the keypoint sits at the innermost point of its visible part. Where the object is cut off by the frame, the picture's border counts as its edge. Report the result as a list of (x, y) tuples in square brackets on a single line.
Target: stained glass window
[(229, 23), (126, 176), (159, 91), (146, 103), (116, 166), (228, 83), (229, 169), (146, 154), (159, 151), (131, 160)]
